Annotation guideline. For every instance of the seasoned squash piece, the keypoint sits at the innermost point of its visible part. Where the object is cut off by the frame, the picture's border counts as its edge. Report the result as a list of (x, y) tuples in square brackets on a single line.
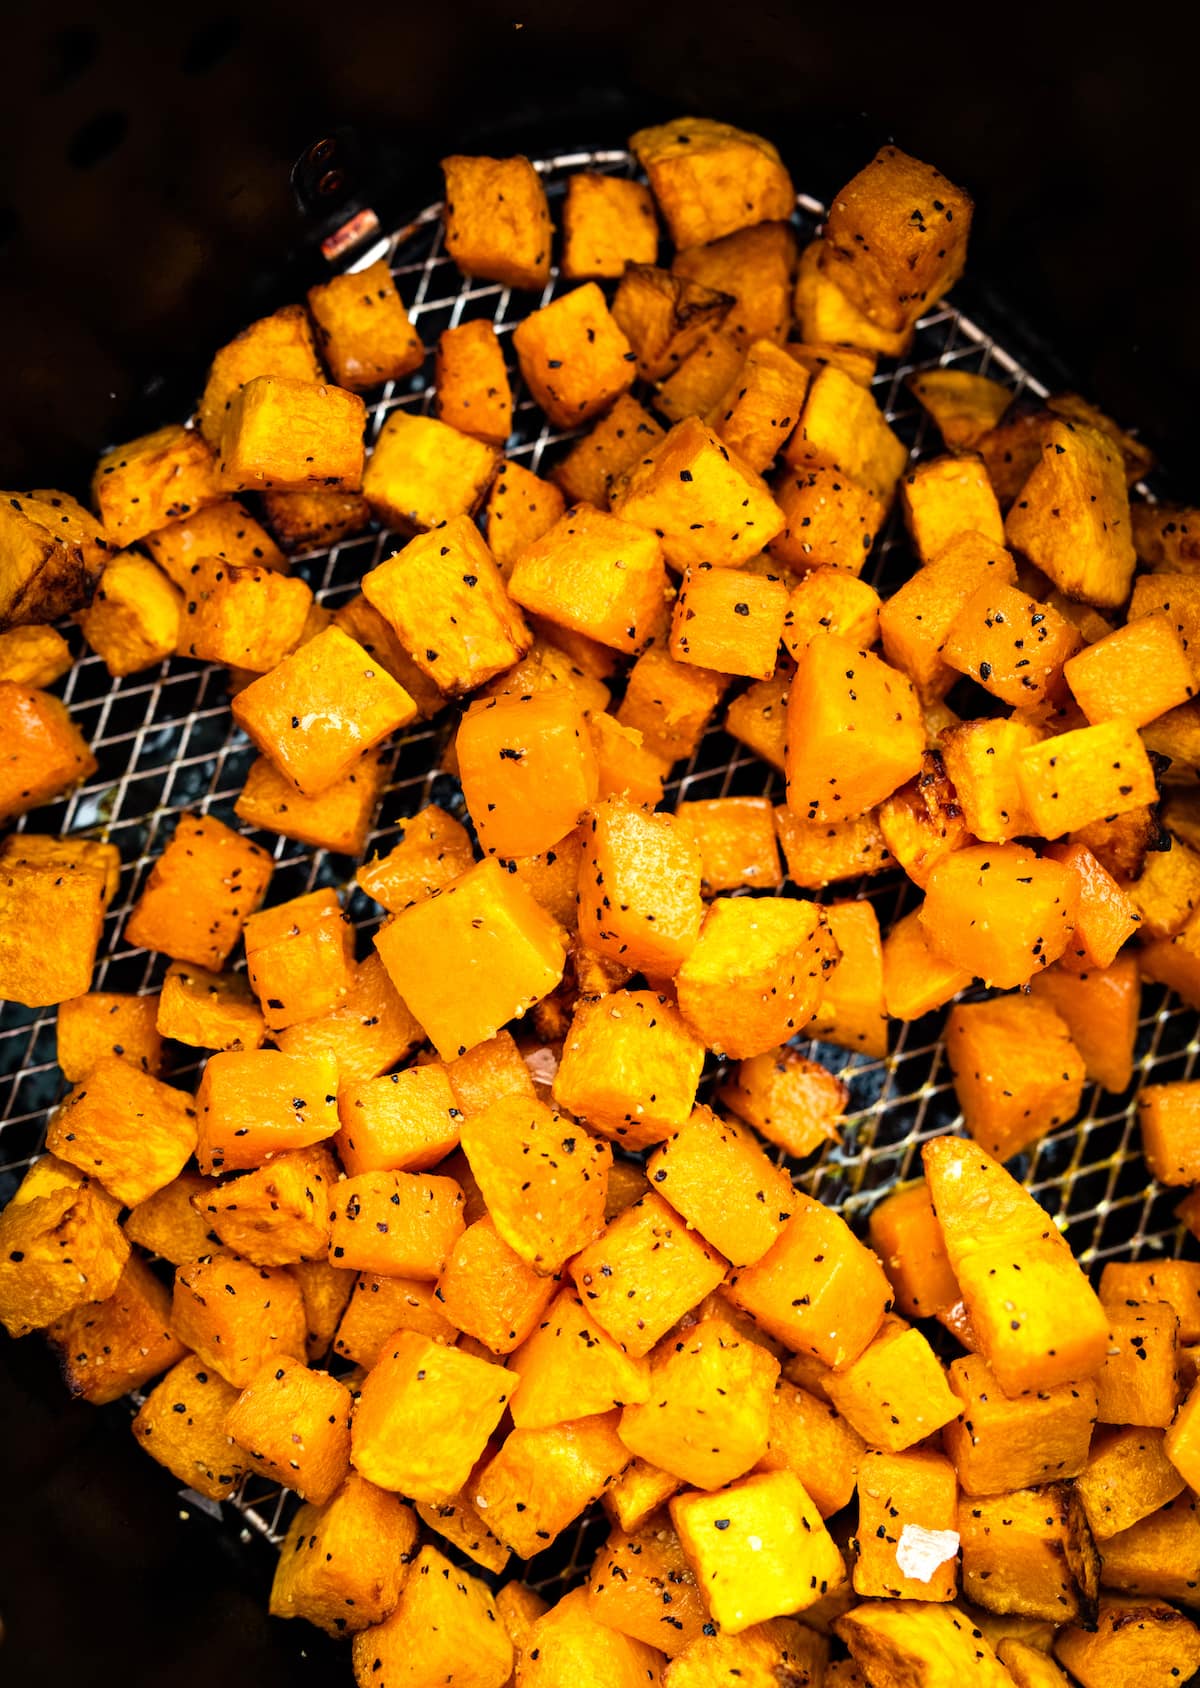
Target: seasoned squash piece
[(907, 1526), (1127, 1477), (1135, 674), (168, 1224), (541, 1480), (1138, 1385), (405, 1122), (339, 819), (670, 703), (444, 1626), (1182, 1444), (851, 1011), (1134, 1640), (107, 1023), (916, 979), (488, 1291), (904, 1232), (756, 265), (629, 1068), (847, 710), (363, 329), (825, 315), (756, 974), (528, 770), (497, 222), (1104, 915), (43, 754), (51, 553), (758, 410), (569, 1368), (1177, 1282), (1029, 1553), (596, 575), (236, 1317), (304, 521), (399, 1224), (757, 718), (793, 1102), (433, 849), (1014, 645), (289, 435), (737, 843), (811, 1438), (326, 1290), (1017, 1074), (642, 1586), (280, 344), (945, 497), (717, 1176), (278, 1214), (1090, 774), (705, 504), (830, 520), (644, 1273), (342, 1564), (963, 406), (639, 887), (1072, 516), (571, 1643), (625, 769), (60, 1248), (154, 480), (764, 1654), (254, 1105), (938, 1646), (981, 759), (613, 445), (916, 620), (895, 1393), (293, 1425), (519, 509), (473, 392), (574, 358), (201, 890), (636, 1495), (923, 821), (423, 472), (711, 179), (1038, 1320), (492, 1070), (300, 958), (664, 316), (999, 911), (363, 623), (109, 1347), (1100, 1009), (821, 852), (729, 620), (841, 427), (759, 1549), (136, 618), (34, 656), (369, 1032), (1159, 1555), (703, 376), (245, 615), (607, 222), (92, 1129), (458, 1522), (379, 1307), (828, 600), (181, 1424)]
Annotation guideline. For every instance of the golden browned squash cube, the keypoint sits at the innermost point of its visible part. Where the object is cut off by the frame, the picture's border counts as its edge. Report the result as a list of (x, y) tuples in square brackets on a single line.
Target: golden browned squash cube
[(711, 179)]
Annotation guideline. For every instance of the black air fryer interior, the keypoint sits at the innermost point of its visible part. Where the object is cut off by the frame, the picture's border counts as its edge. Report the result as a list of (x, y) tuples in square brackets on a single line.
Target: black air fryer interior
[(146, 213)]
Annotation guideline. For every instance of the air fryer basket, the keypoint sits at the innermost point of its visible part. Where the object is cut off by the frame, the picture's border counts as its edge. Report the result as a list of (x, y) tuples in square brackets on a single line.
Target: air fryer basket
[(165, 742)]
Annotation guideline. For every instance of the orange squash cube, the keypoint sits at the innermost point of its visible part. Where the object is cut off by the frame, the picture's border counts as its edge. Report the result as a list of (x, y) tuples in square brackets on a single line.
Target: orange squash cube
[(711, 179), (52, 906), (341, 1565), (664, 316), (511, 949), (642, 1586), (433, 849), (762, 404), (1182, 1444), (821, 852), (610, 447), (253, 1105), (756, 974), (759, 1549), (704, 375), (60, 1247), (810, 1438), (963, 406), (246, 615), (379, 1307), (916, 979), (236, 1318), (569, 1368), (841, 427), (831, 521), (1104, 916), (793, 1102), (543, 1178), (1157, 1556), (339, 819), (607, 222), (109, 1347), (363, 623), (904, 1232), (830, 600), (895, 1393), (729, 620), (1100, 1010), (1089, 774), (167, 1223), (574, 358), (200, 893), (399, 1224), (1139, 1640), (458, 1523), (293, 1425), (907, 1526), (629, 1067), (107, 1023), (624, 766), (737, 843), (1014, 645), (488, 1291), (497, 222), (757, 718), (1017, 1073), (705, 1411), (551, 877), (597, 575), (780, 1645), (422, 473), (1138, 1383), (44, 753), (300, 958), (1029, 1554), (644, 1273), (135, 618), (852, 1012), (1127, 1477), (1071, 518), (93, 1129), (982, 761), (34, 656), (181, 1424), (1177, 1282), (473, 391), (443, 1626), (639, 888), (404, 1122), (916, 619), (1000, 911), (541, 1480), (945, 497), (848, 710), (839, 1311), (714, 1173), (277, 1215), (369, 1032), (290, 435), (757, 265), (53, 551), (1007, 1442), (528, 770), (671, 703), (1135, 674), (363, 329), (326, 1291), (518, 510), (1169, 1117), (153, 480), (635, 1496), (1038, 1320), (226, 530), (281, 344)]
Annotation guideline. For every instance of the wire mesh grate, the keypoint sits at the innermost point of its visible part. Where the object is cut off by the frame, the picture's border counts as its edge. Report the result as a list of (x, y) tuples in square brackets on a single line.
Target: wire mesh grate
[(165, 742)]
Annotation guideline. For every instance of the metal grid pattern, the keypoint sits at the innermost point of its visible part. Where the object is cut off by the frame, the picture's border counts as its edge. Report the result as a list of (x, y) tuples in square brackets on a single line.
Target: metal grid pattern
[(165, 741)]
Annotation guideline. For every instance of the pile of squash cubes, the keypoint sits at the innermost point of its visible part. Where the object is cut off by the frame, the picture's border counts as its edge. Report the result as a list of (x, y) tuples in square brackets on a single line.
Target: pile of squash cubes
[(456, 1253)]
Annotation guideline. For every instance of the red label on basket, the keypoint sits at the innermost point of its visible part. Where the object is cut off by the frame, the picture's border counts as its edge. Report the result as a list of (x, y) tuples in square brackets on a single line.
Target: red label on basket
[(362, 224)]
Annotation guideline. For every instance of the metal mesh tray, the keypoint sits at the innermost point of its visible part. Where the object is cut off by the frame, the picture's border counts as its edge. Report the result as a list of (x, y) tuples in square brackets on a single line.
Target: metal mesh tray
[(165, 741)]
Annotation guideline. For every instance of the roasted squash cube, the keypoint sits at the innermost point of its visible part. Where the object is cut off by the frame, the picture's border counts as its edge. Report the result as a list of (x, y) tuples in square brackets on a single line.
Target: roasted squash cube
[(399, 1224), (1071, 517), (245, 615), (778, 1648), (288, 435), (321, 710), (809, 1437), (43, 755), (703, 502), (405, 1122), (1104, 915), (756, 974), (167, 1223), (916, 979), (642, 1586), (423, 472), (714, 1173), (830, 600), (1017, 1073), (607, 222), (278, 1214), (181, 1424), (569, 1369), (201, 891), (664, 316), (1090, 774), (34, 656), (597, 575), (326, 1290), (363, 328), (981, 761), (109, 1347), (136, 618), (1100, 1009), (671, 703), (904, 1232), (339, 819), (541, 1480), (1127, 1477), (256, 1104), (107, 1023), (60, 1248), (342, 1564), (1013, 645), (1157, 1556), (1182, 1444), (848, 710), (639, 887), (703, 376), (1135, 674), (1000, 911), (379, 1307), (851, 1011), (824, 315), (820, 853), (917, 618), (711, 179), (762, 404), (1012, 1442), (907, 1526), (488, 1291), (513, 949), (729, 620), (706, 1409), (92, 1129), (629, 1068), (293, 1425), (418, 1387), (444, 1626), (963, 406), (1140, 1640), (1029, 1553), (528, 770), (473, 391), (644, 1273), (635, 1496), (1138, 1385), (895, 1394), (891, 1640), (625, 768), (300, 958), (433, 849), (737, 843), (945, 497), (371, 1031), (759, 1549), (890, 260), (840, 1311), (757, 265), (236, 1317), (613, 445), (841, 427), (573, 356), (304, 521), (281, 344), (573, 1643), (497, 222), (51, 553), (520, 508), (457, 1522), (154, 480), (793, 1102), (1176, 1282)]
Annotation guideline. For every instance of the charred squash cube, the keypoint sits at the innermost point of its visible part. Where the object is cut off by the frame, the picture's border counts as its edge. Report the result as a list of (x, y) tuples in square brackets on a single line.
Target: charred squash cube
[(520, 508), (51, 554), (541, 1480), (711, 179), (528, 770), (473, 391), (1071, 517), (907, 1526), (497, 222), (759, 1549), (236, 1317), (629, 1067), (513, 950), (109, 1347), (43, 753), (756, 265), (1017, 1073), (363, 328), (896, 238), (432, 850), (424, 1417), (321, 710), (488, 1291), (608, 222), (644, 1273), (639, 888), (135, 619), (664, 316), (154, 480), (277, 1215), (245, 616), (341, 1565), (208, 1010), (303, 521), (300, 958), (107, 1023), (423, 472), (729, 620), (699, 498), (399, 1224), (125, 1128), (445, 1625), (200, 893), (446, 600), (181, 1424), (569, 1368), (756, 974), (849, 711), (543, 1178), (1028, 1553), (293, 1425), (405, 1122), (573, 356), (252, 1106), (597, 575), (284, 435)]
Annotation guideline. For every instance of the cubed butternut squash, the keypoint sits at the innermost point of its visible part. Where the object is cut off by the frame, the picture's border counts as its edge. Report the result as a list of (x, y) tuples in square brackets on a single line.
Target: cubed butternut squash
[(643, 1273), (848, 711), (1017, 1074)]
